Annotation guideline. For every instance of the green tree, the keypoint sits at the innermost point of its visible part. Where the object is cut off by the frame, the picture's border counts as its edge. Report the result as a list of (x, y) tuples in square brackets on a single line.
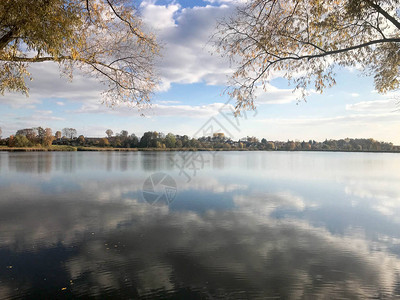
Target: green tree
[(133, 141), (149, 139), (304, 39), (185, 141), (194, 143), (102, 38), (21, 141), (170, 140), (178, 144), (29, 133)]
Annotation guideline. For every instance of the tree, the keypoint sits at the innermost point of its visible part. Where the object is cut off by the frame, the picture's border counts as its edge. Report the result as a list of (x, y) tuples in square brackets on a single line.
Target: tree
[(116, 142), (30, 133), (178, 144), (81, 140), (69, 132), (58, 135), (133, 141), (185, 141), (194, 143), (290, 146), (104, 142), (102, 38), (21, 141), (40, 132), (302, 40), (149, 139), (48, 137), (109, 133), (124, 134), (270, 146), (1, 131), (11, 141), (170, 140)]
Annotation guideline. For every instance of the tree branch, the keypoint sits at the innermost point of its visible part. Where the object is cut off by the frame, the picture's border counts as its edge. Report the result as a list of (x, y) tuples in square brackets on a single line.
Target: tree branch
[(384, 13), (141, 37), (6, 39), (333, 52)]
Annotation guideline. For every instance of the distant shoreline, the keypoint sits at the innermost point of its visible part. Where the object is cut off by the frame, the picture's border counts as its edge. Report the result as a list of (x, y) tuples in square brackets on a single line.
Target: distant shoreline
[(110, 149)]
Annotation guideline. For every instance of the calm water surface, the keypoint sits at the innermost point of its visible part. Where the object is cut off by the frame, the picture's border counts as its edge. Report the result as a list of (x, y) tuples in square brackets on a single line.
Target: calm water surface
[(244, 225)]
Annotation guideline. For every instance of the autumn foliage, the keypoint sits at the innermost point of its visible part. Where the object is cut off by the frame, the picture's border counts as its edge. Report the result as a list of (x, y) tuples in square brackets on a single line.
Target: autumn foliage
[(102, 38), (303, 41)]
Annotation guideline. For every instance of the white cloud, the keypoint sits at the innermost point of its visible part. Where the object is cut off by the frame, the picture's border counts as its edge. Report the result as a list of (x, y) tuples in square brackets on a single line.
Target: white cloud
[(364, 118), (159, 110), (377, 106), (48, 84), (168, 102), (44, 112), (159, 17), (274, 95), (185, 34), (355, 95), (16, 100), (33, 120)]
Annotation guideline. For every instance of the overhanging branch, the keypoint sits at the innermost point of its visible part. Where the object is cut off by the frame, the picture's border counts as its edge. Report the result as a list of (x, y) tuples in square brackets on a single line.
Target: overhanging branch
[(384, 13), (333, 52)]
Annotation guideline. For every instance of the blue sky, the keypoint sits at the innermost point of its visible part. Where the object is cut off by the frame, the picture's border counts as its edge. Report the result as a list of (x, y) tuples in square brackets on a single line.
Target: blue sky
[(191, 93)]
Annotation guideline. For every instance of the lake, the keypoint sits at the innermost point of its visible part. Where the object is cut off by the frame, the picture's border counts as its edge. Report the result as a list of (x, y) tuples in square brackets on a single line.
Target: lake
[(199, 225)]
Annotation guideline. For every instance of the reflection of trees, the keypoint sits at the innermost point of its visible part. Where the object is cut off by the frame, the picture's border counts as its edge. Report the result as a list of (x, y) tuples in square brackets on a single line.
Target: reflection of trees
[(218, 161), (30, 162), (68, 162), (109, 159), (120, 161), (123, 162), (3, 160), (152, 161), (129, 248), (71, 162)]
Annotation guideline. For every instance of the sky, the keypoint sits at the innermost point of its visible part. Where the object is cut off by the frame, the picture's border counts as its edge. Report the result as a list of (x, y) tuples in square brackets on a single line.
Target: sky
[(191, 100)]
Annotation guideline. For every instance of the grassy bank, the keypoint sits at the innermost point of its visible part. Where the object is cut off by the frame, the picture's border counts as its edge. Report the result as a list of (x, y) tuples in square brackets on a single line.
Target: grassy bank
[(38, 148), (108, 149), (81, 148)]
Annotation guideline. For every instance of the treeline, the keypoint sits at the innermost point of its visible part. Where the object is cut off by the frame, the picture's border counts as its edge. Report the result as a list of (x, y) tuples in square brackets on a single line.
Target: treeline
[(31, 137)]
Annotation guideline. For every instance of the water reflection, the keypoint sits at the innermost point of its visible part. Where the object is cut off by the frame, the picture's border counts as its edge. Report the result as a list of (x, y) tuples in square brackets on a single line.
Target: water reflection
[(69, 162), (243, 230), (30, 162)]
